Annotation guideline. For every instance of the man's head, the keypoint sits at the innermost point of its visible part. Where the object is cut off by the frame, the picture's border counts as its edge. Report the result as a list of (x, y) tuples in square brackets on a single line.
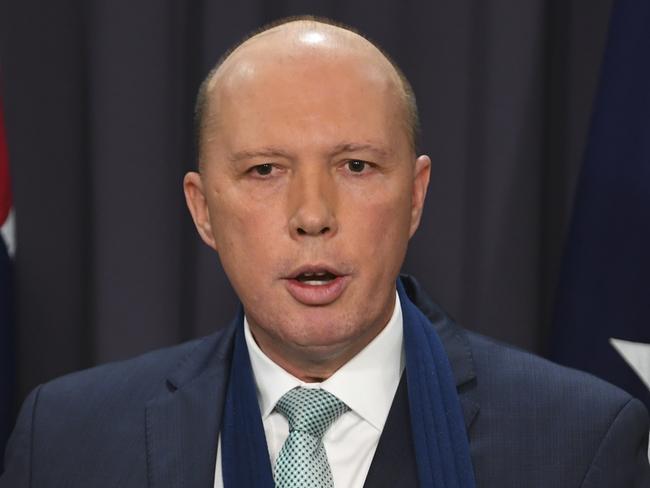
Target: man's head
[(203, 114), (309, 188)]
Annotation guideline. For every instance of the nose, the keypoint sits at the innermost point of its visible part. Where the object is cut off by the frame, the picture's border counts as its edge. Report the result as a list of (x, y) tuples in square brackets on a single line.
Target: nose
[(312, 205)]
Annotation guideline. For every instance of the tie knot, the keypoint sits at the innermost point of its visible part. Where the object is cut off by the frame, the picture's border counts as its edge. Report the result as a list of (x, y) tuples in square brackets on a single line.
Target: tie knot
[(310, 410)]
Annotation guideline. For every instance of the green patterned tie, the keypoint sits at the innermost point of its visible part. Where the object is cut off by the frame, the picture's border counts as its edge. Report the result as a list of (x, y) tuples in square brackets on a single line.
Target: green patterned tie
[(302, 462)]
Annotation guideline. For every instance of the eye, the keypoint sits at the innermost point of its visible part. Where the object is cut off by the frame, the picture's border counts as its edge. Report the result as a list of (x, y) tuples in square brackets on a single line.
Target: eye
[(263, 169), (356, 165)]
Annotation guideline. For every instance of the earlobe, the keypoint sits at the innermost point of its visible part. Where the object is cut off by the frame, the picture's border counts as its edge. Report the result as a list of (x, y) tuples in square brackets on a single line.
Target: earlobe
[(198, 207), (420, 184)]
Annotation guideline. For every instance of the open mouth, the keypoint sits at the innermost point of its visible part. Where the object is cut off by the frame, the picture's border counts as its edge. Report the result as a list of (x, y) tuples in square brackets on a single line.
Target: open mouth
[(315, 278), (316, 284)]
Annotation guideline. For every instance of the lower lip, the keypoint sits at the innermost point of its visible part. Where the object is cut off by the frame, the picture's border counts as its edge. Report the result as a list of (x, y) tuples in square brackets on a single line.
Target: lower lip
[(317, 294)]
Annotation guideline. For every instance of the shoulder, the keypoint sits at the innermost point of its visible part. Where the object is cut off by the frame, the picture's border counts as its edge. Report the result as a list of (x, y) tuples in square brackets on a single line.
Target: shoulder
[(135, 378), (84, 399), (516, 383), (500, 366), (90, 416), (573, 425), (138, 379), (534, 423)]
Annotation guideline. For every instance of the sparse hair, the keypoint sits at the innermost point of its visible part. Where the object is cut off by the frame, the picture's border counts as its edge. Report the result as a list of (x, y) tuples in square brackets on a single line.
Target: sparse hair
[(410, 105)]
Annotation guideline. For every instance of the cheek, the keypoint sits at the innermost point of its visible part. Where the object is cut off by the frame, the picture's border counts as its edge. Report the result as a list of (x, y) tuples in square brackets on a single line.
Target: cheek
[(380, 228), (242, 223), (247, 244)]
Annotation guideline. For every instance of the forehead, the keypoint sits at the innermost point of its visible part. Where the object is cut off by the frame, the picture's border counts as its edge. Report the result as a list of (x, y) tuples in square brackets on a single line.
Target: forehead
[(316, 93)]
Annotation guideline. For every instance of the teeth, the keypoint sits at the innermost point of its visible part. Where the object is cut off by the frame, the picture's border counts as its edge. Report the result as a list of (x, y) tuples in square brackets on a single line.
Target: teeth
[(316, 278)]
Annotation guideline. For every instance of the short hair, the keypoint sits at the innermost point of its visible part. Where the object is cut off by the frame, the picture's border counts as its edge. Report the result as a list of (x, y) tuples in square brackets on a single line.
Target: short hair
[(409, 101)]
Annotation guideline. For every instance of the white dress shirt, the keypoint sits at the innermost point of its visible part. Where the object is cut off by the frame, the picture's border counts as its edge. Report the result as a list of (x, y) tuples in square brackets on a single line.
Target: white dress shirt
[(367, 384)]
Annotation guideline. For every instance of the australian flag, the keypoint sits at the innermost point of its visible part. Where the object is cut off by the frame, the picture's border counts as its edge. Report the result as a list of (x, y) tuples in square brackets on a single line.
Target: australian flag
[(7, 243), (602, 320)]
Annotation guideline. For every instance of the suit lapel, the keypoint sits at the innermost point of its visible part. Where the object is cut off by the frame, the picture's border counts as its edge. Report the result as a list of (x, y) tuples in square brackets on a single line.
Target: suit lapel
[(460, 358), (183, 424), (456, 344)]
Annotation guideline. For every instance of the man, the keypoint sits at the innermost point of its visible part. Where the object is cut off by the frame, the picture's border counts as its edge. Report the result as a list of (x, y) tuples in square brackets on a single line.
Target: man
[(336, 373)]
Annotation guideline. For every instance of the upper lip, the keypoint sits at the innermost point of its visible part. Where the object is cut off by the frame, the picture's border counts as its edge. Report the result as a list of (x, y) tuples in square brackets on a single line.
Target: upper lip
[(314, 268)]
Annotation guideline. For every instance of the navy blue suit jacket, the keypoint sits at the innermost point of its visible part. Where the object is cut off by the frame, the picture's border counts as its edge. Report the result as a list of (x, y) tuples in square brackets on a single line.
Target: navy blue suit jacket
[(153, 421)]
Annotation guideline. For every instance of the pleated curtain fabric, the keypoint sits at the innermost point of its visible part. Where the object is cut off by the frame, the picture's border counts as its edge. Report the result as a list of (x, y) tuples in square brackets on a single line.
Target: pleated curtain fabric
[(504, 92)]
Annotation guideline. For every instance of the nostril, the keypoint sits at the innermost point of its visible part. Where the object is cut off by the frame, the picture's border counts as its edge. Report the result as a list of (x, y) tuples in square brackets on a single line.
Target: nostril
[(307, 231)]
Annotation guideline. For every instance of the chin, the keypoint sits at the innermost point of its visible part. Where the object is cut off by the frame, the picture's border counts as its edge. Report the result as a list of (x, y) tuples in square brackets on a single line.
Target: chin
[(321, 328)]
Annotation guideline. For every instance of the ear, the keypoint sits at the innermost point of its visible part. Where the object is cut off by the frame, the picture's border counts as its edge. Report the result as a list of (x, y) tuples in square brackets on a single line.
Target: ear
[(198, 206), (420, 185)]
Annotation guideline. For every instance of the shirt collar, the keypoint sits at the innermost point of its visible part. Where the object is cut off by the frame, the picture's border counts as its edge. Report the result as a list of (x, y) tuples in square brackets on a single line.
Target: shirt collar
[(367, 383)]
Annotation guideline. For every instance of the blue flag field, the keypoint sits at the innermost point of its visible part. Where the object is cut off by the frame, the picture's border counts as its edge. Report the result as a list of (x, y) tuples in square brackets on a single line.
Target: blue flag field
[(602, 319)]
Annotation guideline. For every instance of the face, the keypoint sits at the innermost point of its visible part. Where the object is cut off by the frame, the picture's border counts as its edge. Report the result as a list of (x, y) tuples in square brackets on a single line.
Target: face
[(309, 192)]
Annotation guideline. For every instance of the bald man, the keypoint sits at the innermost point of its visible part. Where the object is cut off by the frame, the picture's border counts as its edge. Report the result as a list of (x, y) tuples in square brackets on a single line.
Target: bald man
[(336, 372)]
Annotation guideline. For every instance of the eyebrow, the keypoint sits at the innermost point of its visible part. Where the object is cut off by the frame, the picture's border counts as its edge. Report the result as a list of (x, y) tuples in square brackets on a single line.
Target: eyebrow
[(266, 152), (273, 152), (355, 147)]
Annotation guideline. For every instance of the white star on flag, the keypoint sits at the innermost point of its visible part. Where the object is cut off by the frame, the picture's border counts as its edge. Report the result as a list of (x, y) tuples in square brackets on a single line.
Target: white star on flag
[(637, 356)]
